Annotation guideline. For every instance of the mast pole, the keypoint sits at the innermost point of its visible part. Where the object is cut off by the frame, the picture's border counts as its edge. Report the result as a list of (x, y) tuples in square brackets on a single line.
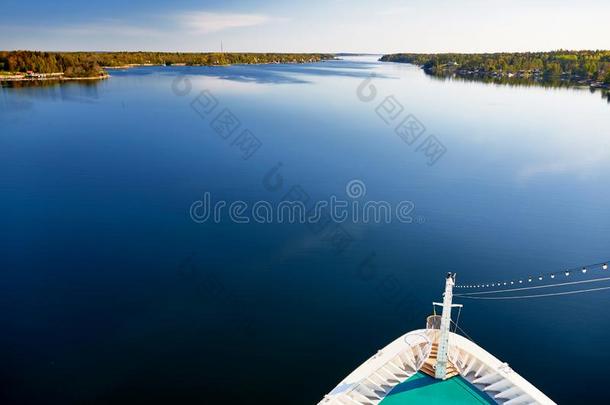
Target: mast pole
[(443, 344)]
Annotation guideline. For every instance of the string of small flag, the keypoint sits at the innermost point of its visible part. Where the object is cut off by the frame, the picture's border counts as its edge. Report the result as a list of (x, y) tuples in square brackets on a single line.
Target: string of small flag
[(530, 281)]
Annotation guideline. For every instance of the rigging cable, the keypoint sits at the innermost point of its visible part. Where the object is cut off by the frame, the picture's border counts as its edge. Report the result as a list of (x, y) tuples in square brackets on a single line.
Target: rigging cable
[(514, 297), (462, 330), (458, 318), (540, 277), (533, 287)]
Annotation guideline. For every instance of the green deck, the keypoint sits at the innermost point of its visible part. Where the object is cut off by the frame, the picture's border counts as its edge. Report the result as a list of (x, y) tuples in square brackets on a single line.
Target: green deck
[(423, 389)]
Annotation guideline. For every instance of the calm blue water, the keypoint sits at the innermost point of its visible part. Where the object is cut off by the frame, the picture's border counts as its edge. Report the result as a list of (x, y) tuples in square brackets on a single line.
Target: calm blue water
[(110, 293)]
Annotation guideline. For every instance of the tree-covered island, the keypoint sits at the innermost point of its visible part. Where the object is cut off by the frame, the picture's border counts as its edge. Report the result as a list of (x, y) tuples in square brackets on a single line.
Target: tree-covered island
[(584, 68), (33, 65)]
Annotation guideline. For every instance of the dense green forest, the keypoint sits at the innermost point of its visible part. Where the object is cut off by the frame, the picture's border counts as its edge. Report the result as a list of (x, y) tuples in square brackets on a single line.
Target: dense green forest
[(89, 64), (583, 67)]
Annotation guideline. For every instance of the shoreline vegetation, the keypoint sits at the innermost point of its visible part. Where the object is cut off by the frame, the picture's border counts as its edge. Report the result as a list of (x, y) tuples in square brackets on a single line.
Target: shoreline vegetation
[(36, 66), (36, 77), (557, 69)]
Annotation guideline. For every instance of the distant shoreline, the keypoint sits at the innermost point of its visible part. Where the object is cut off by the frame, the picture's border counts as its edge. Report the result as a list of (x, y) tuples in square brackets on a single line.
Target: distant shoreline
[(33, 66), (134, 65), (589, 69), (60, 76)]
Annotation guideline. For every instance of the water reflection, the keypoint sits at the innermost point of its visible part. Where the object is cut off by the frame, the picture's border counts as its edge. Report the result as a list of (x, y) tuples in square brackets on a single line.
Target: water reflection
[(548, 83), (85, 91), (263, 74)]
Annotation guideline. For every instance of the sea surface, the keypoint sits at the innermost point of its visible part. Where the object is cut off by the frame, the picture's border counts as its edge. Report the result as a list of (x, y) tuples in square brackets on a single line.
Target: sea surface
[(111, 293)]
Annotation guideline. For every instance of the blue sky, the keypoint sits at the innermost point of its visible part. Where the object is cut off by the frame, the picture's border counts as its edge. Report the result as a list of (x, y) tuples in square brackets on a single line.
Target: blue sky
[(312, 26)]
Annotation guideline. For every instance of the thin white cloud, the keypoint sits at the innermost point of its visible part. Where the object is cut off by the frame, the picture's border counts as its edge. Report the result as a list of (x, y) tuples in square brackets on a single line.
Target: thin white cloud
[(98, 27), (205, 22), (400, 10), (189, 22), (109, 29)]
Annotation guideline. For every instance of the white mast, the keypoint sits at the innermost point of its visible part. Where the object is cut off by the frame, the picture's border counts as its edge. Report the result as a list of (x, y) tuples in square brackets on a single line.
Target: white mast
[(443, 344)]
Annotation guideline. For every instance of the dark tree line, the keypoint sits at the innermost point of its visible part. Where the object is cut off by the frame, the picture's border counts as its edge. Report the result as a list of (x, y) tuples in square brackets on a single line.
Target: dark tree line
[(88, 64), (567, 65), (72, 65)]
